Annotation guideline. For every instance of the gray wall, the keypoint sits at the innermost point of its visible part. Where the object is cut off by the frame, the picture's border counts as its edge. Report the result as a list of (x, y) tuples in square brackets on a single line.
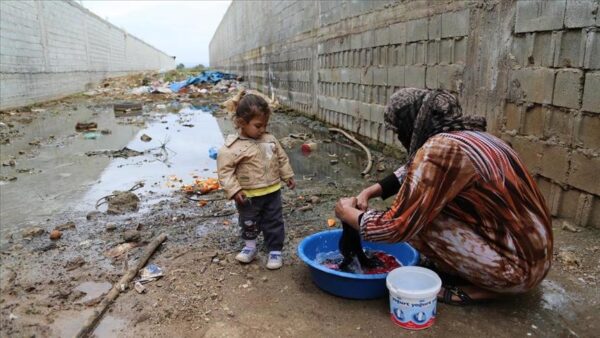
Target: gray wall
[(530, 67), (49, 49)]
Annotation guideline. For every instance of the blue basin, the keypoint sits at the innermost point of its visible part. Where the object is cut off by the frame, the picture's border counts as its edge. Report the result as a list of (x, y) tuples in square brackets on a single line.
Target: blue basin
[(344, 284)]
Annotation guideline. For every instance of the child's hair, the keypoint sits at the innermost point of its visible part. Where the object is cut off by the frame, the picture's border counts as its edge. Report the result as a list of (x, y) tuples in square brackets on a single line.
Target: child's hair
[(251, 106)]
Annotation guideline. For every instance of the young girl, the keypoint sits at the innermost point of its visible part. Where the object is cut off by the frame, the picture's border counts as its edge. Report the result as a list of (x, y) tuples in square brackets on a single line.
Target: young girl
[(251, 166)]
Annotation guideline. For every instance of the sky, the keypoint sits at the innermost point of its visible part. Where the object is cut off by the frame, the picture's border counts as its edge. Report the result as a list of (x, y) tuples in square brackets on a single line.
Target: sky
[(179, 28)]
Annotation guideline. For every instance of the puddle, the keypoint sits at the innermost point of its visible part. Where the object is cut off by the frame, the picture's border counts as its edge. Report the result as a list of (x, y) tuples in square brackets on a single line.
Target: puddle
[(93, 290), (69, 323), (179, 148)]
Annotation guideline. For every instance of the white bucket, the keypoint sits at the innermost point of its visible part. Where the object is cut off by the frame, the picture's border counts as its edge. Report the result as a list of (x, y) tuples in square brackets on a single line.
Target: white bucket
[(413, 296)]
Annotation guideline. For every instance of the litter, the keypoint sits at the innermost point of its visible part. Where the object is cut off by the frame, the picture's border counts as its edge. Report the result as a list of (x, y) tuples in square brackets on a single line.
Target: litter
[(212, 153), (139, 287), (91, 135), (150, 273), (81, 126), (201, 187), (206, 76), (145, 138)]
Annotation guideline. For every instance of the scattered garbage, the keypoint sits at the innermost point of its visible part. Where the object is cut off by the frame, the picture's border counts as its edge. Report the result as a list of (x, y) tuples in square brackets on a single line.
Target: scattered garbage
[(55, 234), (145, 138), (150, 273), (91, 135), (331, 222), (33, 232), (206, 76), (201, 187), (120, 249), (124, 153), (81, 126), (308, 147), (139, 287), (212, 153)]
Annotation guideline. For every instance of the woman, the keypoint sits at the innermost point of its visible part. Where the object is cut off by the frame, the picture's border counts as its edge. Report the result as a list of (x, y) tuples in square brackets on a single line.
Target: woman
[(464, 200)]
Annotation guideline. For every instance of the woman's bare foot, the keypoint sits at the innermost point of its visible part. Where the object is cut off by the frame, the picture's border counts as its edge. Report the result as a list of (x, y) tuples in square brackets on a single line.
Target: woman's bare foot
[(471, 292)]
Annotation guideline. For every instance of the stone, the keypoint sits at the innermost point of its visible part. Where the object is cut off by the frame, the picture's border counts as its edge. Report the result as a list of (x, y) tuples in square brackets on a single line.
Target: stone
[(131, 236), (110, 226), (33, 232), (66, 226)]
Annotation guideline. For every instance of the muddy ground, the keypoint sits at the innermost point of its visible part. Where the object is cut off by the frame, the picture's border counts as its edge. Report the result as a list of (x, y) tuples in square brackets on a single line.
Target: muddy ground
[(53, 176)]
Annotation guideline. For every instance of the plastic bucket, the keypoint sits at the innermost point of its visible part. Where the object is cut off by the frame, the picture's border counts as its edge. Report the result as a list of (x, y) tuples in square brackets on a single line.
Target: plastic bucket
[(413, 296)]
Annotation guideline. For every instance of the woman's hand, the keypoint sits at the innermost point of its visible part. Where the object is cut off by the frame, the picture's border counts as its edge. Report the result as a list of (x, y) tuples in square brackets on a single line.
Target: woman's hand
[(366, 194), (362, 200), (344, 208), (291, 183), (240, 197)]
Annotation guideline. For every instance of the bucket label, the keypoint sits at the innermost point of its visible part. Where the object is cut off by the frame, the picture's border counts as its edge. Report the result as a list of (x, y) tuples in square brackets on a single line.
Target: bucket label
[(413, 314)]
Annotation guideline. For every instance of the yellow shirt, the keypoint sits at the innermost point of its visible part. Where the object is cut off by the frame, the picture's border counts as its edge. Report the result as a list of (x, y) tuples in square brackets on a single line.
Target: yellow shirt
[(262, 191)]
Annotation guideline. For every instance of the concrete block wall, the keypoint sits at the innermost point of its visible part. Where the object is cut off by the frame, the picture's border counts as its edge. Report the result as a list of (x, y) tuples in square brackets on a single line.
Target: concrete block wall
[(529, 67), (49, 49)]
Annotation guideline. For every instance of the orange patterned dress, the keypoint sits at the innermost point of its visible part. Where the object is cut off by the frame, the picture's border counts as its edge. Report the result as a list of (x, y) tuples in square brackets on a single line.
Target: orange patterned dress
[(467, 203)]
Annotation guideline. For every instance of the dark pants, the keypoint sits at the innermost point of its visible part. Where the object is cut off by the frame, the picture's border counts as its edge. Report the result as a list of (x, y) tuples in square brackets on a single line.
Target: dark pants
[(263, 213)]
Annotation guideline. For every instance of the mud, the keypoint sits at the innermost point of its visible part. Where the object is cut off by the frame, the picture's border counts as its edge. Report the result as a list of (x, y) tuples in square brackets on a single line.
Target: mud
[(50, 287)]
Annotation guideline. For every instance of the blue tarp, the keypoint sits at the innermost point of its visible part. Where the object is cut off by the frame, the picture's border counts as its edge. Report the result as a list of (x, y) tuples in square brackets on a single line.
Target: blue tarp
[(207, 76)]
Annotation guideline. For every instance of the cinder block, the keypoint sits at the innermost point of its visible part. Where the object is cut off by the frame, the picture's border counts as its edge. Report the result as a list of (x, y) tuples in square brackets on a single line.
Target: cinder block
[(396, 76), (539, 15), (534, 120), (416, 30), (398, 33), (377, 112), (532, 84), (555, 162), (580, 13), (356, 41), (460, 50), (569, 48), (414, 76), (382, 36), (411, 53), (380, 76), (588, 134), (530, 152), (543, 49), (434, 27), (431, 77), (450, 77), (433, 52), (364, 111), (401, 54), (567, 89), (512, 112), (368, 39), (455, 23), (594, 219), (567, 208), (366, 77), (591, 97), (592, 49), (447, 51), (559, 124), (583, 173)]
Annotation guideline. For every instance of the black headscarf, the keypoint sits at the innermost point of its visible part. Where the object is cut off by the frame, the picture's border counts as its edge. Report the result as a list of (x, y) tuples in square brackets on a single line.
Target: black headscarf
[(416, 114)]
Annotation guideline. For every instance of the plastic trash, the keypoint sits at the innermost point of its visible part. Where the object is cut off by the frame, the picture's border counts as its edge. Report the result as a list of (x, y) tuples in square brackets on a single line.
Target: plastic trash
[(150, 272), (207, 76), (213, 152)]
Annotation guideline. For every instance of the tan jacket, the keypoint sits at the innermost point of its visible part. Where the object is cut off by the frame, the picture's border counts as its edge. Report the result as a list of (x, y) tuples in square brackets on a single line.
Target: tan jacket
[(244, 163)]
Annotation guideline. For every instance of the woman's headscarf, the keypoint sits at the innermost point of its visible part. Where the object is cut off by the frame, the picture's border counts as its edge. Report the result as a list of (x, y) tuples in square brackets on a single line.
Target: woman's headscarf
[(416, 114)]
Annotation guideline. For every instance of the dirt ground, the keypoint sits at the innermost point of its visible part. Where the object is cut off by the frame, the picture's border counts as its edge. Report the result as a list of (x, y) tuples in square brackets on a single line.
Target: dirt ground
[(50, 287)]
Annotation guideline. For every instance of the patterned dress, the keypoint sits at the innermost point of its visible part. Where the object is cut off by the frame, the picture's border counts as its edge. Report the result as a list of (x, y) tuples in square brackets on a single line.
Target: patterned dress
[(467, 203)]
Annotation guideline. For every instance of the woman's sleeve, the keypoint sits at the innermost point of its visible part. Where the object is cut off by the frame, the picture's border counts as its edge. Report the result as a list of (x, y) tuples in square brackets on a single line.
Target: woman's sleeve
[(439, 171), (390, 185)]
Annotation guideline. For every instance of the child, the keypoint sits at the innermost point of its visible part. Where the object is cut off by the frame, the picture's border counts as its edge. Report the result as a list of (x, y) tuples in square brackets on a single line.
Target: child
[(251, 166)]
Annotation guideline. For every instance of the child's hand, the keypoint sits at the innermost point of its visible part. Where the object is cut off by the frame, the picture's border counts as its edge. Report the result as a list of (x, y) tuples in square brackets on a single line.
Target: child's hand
[(240, 198), (291, 183)]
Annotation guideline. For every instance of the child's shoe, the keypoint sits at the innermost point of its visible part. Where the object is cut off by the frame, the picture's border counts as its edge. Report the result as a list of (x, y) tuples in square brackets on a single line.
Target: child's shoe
[(275, 261), (247, 255)]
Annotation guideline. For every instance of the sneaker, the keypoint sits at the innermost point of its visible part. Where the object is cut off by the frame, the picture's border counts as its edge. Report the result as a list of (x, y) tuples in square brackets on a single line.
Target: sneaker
[(275, 261), (247, 255)]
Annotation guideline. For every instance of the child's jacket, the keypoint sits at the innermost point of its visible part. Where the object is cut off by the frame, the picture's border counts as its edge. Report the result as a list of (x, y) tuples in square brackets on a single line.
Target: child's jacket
[(244, 164)]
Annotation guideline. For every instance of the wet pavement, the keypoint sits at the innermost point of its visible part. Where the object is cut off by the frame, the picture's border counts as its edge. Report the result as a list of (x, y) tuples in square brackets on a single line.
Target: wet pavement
[(47, 284)]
